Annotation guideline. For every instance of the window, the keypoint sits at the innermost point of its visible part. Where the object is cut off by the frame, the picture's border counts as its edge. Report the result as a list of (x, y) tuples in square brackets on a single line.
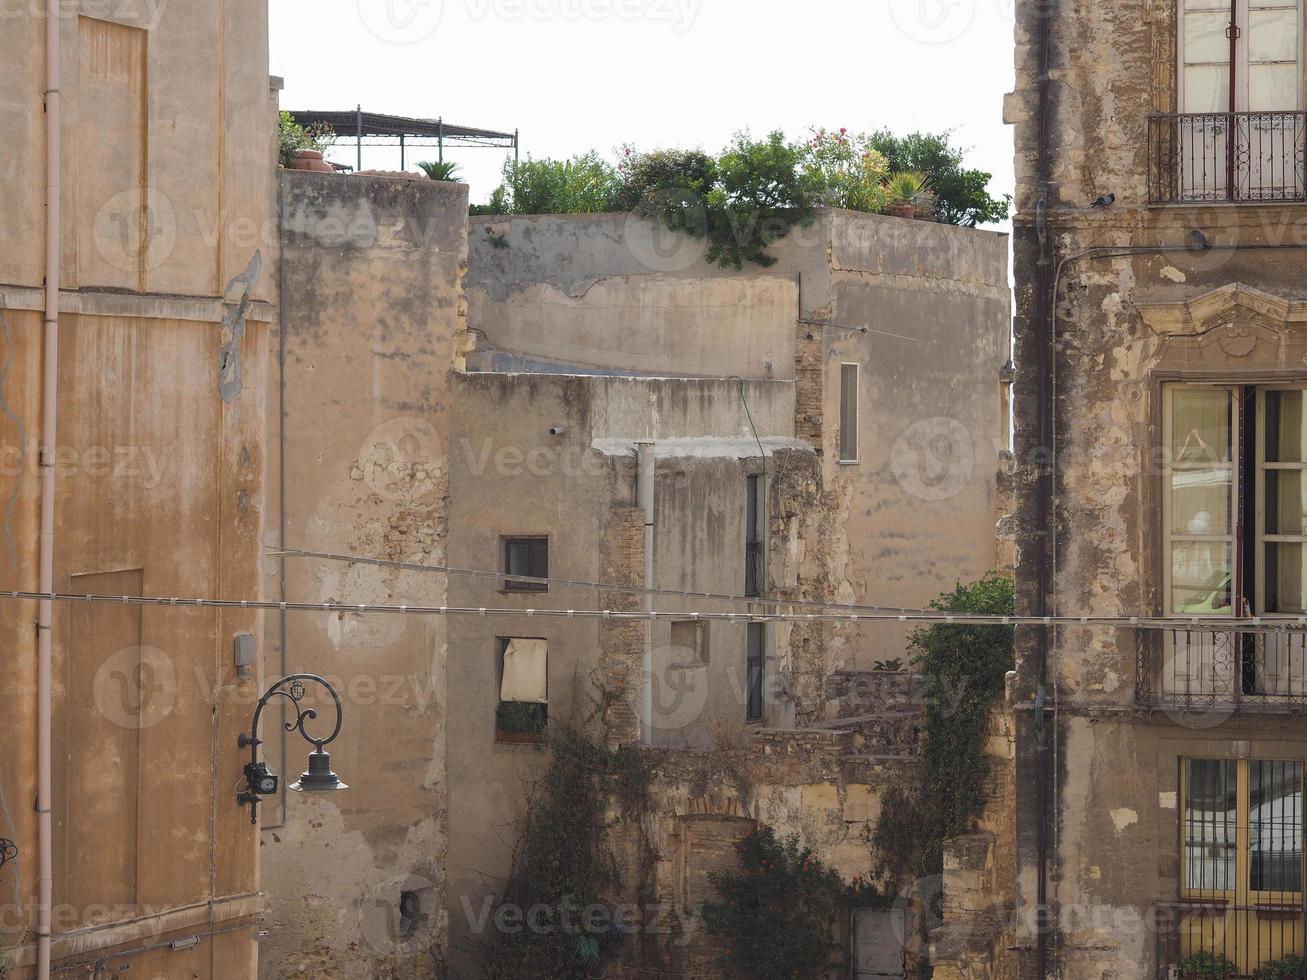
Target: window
[(1235, 512), (849, 413), (1241, 860), (754, 522), (523, 711), (528, 557), (755, 657), (1240, 94), (690, 641)]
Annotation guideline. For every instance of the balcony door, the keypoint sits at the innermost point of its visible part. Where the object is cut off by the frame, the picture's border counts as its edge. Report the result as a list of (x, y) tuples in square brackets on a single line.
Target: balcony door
[(1240, 93)]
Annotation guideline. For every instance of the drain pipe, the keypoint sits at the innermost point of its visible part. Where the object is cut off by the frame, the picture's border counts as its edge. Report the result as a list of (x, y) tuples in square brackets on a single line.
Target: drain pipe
[(1045, 519), (49, 402), (645, 498)]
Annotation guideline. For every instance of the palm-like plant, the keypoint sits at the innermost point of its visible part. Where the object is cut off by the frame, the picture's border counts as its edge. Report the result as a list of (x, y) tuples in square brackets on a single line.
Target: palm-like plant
[(905, 186), (440, 170)]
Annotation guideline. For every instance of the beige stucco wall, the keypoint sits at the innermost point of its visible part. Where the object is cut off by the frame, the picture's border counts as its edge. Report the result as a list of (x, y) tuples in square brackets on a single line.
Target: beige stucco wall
[(934, 303), (159, 478), (509, 475), (373, 307)]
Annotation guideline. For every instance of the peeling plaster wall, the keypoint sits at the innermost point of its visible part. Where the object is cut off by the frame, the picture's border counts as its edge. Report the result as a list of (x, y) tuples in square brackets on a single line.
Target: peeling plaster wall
[(1123, 326), (373, 310), (916, 514), (510, 476), (159, 482)]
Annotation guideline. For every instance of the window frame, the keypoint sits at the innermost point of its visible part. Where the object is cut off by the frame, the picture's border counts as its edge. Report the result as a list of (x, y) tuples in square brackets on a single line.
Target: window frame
[(842, 457), (755, 509), (1240, 68), (1254, 511), (520, 738), (506, 543), (1278, 898), (750, 695)]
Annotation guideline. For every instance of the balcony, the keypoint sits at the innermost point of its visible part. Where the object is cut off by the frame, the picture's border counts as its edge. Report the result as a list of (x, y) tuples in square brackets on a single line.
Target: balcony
[(1206, 670), (1217, 939), (1227, 157)]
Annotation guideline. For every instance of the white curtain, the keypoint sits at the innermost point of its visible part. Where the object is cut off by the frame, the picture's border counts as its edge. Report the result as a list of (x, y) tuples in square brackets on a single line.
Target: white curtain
[(526, 671)]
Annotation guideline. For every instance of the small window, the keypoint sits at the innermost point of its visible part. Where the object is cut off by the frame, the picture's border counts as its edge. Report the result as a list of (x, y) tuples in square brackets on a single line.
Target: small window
[(527, 557), (690, 642), (523, 711), (753, 528), (849, 413), (754, 660)]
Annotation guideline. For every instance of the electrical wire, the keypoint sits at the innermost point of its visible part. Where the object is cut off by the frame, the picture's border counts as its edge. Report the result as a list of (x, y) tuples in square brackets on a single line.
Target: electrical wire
[(1195, 624), (601, 586)]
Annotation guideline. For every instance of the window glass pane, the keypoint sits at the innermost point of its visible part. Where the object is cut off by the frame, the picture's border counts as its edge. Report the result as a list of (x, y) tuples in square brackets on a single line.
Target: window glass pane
[(1204, 37), (1273, 35), (754, 667), (1286, 441), (1200, 578), (1200, 502), (1210, 819), (1275, 825), (1285, 502), (1273, 87), (1206, 89), (1201, 425), (1285, 578)]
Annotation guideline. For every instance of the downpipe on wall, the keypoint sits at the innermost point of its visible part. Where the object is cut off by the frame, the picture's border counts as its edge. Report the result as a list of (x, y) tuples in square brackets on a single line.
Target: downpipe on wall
[(644, 494), (49, 403)]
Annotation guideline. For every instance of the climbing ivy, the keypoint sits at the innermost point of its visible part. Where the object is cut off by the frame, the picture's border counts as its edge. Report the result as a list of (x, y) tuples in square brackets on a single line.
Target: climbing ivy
[(552, 918), (964, 668), (777, 910)]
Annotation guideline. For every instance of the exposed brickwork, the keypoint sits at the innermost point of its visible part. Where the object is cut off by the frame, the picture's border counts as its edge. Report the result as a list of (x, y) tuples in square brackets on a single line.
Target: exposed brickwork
[(621, 641), (809, 374)]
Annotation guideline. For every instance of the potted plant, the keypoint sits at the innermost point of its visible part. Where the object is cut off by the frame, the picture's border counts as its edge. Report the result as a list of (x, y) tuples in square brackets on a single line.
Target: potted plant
[(1292, 967), (1205, 966), (903, 189), (521, 722), (300, 147), (445, 170)]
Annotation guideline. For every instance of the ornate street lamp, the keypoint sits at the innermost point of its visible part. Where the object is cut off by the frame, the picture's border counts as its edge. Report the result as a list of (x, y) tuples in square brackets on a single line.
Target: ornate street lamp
[(318, 778)]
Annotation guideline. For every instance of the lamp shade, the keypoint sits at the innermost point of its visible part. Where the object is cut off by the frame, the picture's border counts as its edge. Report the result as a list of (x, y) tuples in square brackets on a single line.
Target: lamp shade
[(319, 778)]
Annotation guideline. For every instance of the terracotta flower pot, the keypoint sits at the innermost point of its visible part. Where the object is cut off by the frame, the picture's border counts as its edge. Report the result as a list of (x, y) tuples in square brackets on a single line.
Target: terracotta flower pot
[(905, 210), (311, 160)]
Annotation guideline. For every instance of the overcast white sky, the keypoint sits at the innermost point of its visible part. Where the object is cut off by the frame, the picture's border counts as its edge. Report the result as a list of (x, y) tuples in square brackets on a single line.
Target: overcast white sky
[(579, 74)]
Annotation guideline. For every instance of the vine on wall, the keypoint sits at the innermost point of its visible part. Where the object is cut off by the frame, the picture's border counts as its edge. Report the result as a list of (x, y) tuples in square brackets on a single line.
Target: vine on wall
[(964, 668)]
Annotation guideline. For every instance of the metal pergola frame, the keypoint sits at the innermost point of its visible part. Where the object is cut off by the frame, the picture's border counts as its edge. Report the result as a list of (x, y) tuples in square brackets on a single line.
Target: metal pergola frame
[(380, 129)]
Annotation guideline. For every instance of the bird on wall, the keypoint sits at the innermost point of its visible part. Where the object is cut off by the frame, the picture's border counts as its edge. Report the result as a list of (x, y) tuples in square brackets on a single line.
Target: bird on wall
[(1104, 201)]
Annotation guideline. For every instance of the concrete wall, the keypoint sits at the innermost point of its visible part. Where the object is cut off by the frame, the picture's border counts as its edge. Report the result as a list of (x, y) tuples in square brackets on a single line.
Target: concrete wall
[(1123, 325), (160, 474), (372, 308), (509, 476), (935, 306)]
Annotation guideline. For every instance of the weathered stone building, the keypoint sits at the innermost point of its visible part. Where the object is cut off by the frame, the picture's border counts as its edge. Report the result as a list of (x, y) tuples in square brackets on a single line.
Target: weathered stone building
[(1161, 362), (154, 278), (592, 337)]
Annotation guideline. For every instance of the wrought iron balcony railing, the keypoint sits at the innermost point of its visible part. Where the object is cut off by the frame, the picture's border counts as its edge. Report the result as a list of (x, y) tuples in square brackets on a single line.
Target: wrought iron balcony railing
[(1217, 939), (1203, 669), (1221, 157)]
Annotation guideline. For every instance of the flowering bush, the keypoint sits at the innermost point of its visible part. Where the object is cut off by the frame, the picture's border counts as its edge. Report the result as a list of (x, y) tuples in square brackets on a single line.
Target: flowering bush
[(845, 171)]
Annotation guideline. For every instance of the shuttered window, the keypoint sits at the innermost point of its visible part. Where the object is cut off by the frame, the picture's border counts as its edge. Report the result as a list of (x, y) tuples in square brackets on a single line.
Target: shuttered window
[(849, 413)]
